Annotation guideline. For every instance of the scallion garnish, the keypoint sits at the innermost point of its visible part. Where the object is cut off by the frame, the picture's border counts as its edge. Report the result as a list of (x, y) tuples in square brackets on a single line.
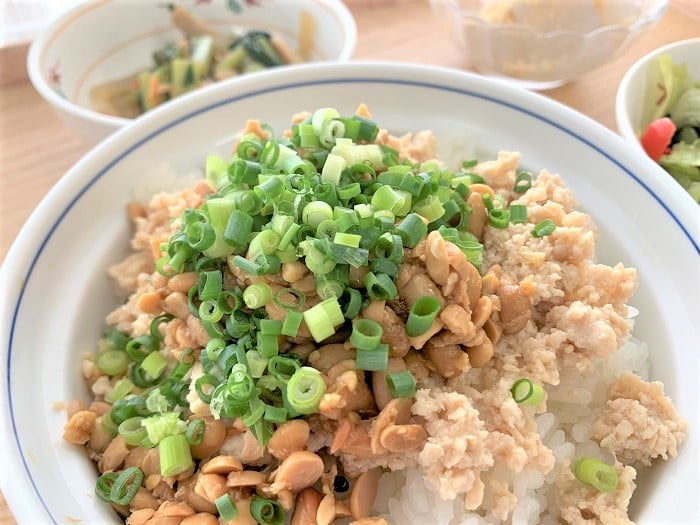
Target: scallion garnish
[(266, 511), (499, 218), (595, 473), (526, 392), (304, 390), (112, 362), (292, 323), (195, 431), (257, 295), (401, 384), (226, 507), (374, 359), (518, 214), (422, 315), (121, 389), (366, 334), (133, 431), (154, 365), (126, 485), (523, 182), (175, 456), (544, 228)]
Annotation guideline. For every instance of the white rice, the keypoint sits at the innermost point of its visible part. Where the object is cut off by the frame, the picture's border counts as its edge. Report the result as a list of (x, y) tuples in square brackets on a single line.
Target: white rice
[(405, 499)]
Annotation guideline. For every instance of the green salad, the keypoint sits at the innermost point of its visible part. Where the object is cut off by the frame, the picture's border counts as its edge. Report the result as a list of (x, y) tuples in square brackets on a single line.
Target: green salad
[(673, 136)]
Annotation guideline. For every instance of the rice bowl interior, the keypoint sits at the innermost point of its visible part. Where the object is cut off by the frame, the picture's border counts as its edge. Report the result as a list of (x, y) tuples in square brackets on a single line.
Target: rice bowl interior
[(484, 122)]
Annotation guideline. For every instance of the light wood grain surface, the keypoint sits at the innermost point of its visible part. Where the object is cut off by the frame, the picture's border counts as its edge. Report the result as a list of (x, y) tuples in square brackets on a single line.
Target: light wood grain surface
[(36, 149)]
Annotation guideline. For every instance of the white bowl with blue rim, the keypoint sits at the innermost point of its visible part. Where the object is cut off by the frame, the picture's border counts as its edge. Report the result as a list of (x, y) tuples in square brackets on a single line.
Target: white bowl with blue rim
[(54, 291), (98, 42)]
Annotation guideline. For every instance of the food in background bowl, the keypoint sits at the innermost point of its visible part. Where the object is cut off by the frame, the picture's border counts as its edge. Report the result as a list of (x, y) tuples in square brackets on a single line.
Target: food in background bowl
[(672, 137), (333, 302), (542, 44), (99, 42), (204, 55)]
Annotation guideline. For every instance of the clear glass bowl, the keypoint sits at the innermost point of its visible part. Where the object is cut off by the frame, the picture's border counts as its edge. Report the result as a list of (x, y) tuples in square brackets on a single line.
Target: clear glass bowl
[(542, 44)]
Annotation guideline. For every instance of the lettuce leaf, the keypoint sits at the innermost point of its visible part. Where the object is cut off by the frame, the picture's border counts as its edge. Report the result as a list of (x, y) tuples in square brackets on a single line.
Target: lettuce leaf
[(683, 163), (686, 110), (666, 86)]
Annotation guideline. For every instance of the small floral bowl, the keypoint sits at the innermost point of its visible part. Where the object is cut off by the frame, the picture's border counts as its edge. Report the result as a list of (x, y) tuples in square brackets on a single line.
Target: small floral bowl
[(542, 44), (98, 42)]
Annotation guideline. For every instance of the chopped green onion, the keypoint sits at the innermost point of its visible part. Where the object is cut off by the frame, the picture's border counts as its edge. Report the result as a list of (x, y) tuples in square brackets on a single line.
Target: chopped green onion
[(209, 311), (401, 384), (523, 182), (332, 308), (347, 239), (257, 295), (164, 425), (126, 485), (112, 362), (526, 392), (411, 230), (544, 228), (268, 345), (469, 163), (320, 319), (195, 431), (326, 288), (205, 386), (266, 511), (104, 484), (275, 414), (333, 168), (375, 359), (431, 208), (353, 303), (387, 198), (284, 293), (209, 285), (488, 202), (226, 507), (314, 213), (422, 315), (380, 287), (518, 214), (305, 390), (139, 347), (175, 456), (282, 368), (121, 389), (366, 334), (256, 363), (132, 430), (264, 243), (595, 473), (291, 324), (154, 327), (499, 218), (270, 327), (154, 365), (114, 340)]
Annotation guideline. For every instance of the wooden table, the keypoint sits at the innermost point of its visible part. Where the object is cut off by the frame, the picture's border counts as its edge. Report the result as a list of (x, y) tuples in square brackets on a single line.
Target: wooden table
[(36, 148)]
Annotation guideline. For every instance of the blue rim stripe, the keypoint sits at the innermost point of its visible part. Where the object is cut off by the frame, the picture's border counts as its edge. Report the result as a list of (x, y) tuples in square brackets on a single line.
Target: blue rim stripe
[(236, 98)]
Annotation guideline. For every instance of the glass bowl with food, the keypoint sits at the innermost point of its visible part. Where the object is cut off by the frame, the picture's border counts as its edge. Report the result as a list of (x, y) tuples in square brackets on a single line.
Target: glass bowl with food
[(542, 44)]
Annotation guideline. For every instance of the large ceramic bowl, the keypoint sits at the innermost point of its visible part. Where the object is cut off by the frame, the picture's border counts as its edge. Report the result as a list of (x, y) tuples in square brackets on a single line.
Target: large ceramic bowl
[(54, 291), (108, 40)]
